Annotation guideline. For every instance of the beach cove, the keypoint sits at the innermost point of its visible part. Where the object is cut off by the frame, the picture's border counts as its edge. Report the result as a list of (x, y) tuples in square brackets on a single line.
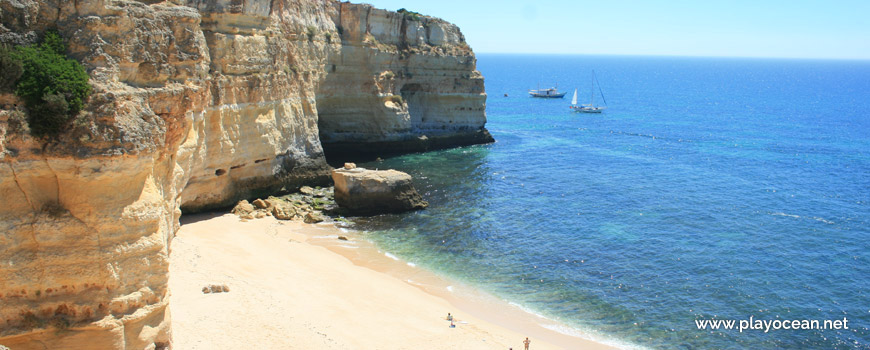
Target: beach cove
[(710, 190), (293, 285)]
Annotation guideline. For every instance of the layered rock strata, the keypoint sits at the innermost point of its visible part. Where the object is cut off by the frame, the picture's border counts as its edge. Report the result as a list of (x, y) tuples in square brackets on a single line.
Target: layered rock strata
[(362, 191), (196, 104), (397, 84)]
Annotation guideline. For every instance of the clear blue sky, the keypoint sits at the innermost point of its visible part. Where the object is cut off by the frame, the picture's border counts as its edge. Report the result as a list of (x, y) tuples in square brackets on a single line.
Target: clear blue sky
[(742, 28)]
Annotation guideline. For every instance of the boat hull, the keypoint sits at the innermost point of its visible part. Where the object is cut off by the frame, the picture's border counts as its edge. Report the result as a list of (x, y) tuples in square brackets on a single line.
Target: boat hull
[(547, 93), (587, 109), (562, 95)]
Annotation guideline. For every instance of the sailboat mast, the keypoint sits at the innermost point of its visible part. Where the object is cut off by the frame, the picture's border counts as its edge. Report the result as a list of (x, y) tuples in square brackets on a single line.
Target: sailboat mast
[(592, 89), (602, 92)]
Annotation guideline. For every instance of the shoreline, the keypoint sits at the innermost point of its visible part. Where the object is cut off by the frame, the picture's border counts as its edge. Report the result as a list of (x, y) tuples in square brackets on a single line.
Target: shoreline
[(207, 244), (467, 299)]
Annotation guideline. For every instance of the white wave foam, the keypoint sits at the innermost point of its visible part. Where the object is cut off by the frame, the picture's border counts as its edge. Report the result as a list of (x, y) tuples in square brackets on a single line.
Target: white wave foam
[(527, 310), (553, 325), (410, 281), (562, 329), (450, 289), (412, 264), (577, 333), (784, 214), (800, 217), (823, 220), (391, 256)]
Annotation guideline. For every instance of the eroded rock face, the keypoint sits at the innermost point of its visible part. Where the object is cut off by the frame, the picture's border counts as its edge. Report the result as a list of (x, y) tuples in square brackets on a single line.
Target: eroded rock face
[(398, 84), (196, 104), (369, 192)]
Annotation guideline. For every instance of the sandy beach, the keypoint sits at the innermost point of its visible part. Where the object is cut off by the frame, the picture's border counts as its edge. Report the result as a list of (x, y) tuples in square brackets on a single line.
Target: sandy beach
[(293, 285)]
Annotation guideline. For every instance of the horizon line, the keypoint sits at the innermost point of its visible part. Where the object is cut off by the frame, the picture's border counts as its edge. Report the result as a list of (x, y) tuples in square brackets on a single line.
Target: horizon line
[(674, 56)]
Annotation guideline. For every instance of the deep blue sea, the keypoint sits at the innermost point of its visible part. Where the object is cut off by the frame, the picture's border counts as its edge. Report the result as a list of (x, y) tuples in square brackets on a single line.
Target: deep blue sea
[(710, 188)]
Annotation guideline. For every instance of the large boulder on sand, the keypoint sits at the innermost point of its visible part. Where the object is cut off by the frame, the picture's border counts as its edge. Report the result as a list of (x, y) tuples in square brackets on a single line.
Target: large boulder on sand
[(260, 204), (369, 192), (283, 211), (244, 210)]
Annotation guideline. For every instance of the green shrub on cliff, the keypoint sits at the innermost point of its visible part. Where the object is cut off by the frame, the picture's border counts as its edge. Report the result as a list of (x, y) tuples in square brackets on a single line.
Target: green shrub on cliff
[(311, 31), (49, 116), (54, 88), (397, 99), (10, 69)]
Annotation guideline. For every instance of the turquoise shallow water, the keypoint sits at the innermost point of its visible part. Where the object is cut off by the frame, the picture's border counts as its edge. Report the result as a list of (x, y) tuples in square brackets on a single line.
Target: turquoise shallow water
[(710, 188)]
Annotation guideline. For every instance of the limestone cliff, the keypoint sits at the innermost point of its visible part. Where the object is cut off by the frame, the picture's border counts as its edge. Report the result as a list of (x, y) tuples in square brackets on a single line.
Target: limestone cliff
[(196, 104), (414, 80)]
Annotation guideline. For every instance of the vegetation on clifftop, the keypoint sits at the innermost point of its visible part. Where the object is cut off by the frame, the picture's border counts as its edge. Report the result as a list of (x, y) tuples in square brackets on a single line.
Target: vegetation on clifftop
[(410, 15), (54, 88)]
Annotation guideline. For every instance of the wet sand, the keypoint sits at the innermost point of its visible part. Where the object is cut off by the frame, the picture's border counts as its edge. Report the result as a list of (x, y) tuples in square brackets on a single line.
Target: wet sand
[(293, 285)]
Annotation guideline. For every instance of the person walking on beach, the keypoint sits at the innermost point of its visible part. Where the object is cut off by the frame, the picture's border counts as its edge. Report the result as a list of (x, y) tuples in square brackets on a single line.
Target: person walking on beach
[(526, 343)]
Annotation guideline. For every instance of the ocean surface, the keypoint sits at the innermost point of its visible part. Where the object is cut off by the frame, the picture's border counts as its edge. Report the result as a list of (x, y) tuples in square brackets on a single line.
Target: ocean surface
[(711, 188)]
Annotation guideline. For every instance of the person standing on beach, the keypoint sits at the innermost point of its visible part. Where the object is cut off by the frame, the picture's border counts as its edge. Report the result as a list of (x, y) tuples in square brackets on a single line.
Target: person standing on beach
[(526, 343)]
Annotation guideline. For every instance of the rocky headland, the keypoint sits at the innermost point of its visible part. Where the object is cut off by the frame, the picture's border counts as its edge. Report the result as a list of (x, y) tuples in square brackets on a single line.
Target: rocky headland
[(197, 105)]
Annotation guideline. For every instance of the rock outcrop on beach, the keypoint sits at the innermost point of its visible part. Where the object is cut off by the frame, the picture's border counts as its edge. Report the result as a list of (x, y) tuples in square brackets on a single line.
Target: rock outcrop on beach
[(196, 105), (307, 205), (362, 191)]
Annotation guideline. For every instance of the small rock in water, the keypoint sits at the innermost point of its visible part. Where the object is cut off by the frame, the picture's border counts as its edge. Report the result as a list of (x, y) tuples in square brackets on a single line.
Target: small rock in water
[(313, 218), (349, 166), (306, 190), (342, 238)]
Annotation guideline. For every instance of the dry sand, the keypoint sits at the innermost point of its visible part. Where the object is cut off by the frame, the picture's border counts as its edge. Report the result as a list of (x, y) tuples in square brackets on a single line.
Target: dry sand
[(286, 292)]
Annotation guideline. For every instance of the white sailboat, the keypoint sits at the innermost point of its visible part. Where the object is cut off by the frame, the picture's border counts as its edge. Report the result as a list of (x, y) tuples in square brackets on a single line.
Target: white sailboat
[(591, 107)]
